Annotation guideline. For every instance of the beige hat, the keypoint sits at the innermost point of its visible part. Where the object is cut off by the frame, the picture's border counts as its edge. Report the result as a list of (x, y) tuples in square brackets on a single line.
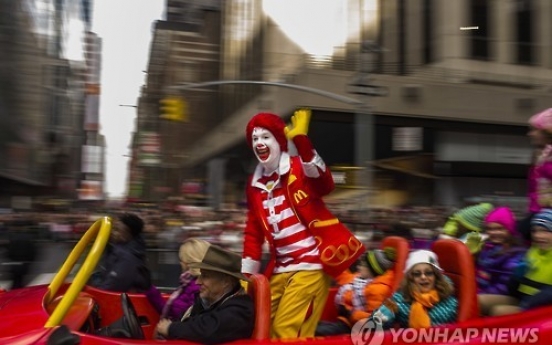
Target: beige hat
[(193, 250), (221, 260)]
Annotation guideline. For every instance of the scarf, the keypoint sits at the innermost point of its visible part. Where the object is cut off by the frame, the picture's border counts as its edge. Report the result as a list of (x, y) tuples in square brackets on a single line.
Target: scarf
[(185, 279), (419, 315)]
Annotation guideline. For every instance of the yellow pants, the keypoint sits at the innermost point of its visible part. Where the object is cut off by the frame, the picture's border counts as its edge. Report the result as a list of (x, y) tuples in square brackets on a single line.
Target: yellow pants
[(298, 300)]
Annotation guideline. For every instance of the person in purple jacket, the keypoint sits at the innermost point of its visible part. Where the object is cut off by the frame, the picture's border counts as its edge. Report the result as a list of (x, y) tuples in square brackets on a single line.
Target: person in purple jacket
[(184, 296), (500, 254)]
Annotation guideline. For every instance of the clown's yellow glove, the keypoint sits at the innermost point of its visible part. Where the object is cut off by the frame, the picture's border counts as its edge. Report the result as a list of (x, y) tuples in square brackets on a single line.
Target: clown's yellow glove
[(299, 124)]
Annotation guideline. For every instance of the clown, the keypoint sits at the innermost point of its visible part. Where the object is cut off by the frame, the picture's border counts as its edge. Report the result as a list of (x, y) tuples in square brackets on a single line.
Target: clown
[(286, 209)]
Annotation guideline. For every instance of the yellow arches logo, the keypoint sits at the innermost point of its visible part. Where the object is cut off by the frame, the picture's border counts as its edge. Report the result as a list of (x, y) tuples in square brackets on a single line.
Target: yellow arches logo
[(299, 195)]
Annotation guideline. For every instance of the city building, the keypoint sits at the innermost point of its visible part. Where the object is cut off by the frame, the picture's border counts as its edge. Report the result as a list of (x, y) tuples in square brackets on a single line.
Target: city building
[(43, 73), (456, 84)]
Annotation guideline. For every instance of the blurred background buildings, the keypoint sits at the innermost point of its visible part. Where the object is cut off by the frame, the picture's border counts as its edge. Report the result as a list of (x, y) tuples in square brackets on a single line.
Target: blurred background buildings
[(50, 144), (458, 82)]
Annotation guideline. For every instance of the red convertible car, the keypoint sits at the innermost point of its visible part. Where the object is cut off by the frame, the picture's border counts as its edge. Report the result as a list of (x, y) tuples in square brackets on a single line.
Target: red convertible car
[(64, 313)]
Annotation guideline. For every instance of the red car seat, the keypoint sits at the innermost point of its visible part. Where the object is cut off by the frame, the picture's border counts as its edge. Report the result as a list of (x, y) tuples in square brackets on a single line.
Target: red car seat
[(457, 262), (259, 289), (401, 251)]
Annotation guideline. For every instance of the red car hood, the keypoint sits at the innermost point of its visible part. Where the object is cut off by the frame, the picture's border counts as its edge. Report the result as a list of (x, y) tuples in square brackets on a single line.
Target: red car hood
[(19, 313)]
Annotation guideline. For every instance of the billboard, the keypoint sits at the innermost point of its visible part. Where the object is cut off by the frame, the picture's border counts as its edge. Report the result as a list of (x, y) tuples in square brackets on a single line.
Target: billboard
[(91, 162), (149, 149), (90, 190)]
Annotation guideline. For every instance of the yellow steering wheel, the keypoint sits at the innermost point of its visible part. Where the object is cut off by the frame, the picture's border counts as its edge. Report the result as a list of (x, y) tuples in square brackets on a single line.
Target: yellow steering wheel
[(100, 230)]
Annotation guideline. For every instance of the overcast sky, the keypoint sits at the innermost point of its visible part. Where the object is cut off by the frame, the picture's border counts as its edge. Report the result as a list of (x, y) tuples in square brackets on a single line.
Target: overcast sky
[(125, 27)]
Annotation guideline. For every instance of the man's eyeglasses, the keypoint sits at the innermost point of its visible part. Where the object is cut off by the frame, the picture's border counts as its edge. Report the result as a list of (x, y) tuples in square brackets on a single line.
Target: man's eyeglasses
[(418, 274)]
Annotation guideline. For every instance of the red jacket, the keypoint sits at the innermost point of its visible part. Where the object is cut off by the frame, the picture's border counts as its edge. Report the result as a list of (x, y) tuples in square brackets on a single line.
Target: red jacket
[(305, 195)]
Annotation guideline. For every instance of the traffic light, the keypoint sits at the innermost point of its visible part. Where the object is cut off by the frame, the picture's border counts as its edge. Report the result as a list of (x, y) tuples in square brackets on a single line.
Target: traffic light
[(174, 109)]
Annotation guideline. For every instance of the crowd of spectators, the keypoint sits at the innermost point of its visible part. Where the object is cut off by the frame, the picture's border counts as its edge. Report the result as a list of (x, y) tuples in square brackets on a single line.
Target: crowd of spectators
[(166, 228)]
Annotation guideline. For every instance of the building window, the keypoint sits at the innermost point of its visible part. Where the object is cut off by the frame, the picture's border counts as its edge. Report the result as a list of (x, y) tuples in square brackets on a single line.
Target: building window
[(524, 34), (428, 29), (479, 39)]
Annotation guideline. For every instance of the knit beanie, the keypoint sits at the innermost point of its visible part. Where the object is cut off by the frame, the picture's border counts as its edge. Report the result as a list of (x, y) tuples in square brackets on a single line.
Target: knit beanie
[(543, 218), (542, 120), (504, 217), (471, 217), (134, 223), (422, 257), (271, 122), (379, 260)]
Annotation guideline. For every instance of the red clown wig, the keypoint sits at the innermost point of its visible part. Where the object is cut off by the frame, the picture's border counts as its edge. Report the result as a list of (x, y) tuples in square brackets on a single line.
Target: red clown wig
[(272, 123)]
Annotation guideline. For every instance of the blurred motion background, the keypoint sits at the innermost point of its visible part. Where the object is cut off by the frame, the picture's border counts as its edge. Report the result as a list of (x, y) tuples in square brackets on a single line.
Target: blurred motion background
[(428, 109)]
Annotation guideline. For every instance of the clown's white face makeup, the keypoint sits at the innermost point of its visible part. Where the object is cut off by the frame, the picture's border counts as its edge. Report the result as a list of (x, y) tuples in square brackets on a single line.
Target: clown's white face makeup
[(266, 148)]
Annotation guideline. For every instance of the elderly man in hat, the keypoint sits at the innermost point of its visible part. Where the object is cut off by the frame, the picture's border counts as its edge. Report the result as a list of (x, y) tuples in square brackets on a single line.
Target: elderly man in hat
[(224, 311), (123, 265)]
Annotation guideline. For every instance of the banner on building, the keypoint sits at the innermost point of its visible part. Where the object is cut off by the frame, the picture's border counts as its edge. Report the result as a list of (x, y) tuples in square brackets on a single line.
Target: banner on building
[(91, 110), (91, 159), (149, 149), (90, 190), (407, 139)]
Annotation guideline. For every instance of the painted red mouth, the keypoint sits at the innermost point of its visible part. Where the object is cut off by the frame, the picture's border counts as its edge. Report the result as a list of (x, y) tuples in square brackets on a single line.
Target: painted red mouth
[(263, 152)]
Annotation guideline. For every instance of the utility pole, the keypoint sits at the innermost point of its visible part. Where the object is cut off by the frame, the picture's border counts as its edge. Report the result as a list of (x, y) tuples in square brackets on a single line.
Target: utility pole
[(362, 85)]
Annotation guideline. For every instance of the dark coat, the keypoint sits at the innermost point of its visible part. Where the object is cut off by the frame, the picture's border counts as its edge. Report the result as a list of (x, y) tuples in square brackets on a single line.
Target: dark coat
[(232, 318), (22, 247), (123, 268)]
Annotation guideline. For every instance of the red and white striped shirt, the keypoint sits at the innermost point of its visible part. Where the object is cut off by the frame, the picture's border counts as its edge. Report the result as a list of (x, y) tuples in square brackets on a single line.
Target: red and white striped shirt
[(295, 246)]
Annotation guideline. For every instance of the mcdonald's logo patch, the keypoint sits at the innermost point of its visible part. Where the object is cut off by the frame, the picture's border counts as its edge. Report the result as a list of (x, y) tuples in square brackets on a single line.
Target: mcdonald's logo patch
[(299, 196)]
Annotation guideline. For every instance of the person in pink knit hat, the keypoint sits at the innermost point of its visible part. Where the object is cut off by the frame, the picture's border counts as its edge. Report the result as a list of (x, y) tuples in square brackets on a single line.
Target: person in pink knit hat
[(500, 254), (539, 180)]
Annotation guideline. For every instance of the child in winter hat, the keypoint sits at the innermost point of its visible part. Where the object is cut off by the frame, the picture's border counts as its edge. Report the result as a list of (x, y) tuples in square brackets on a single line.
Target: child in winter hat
[(504, 217), (466, 225), (543, 219), (358, 299), (467, 219), (539, 183), (472, 217), (379, 261), (500, 254), (542, 120)]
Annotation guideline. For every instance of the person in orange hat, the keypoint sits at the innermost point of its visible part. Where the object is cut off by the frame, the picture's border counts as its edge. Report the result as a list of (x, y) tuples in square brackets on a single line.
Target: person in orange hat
[(307, 242)]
